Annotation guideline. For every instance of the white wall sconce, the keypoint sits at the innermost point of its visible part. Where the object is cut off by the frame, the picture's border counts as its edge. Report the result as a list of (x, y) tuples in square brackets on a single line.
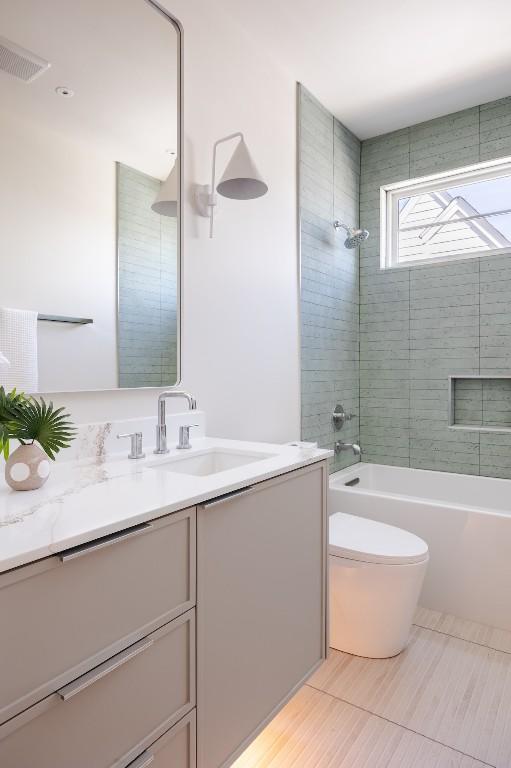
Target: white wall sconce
[(166, 199), (241, 180)]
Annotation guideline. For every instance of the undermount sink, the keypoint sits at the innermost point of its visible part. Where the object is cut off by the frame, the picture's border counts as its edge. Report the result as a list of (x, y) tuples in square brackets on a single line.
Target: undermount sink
[(210, 462)]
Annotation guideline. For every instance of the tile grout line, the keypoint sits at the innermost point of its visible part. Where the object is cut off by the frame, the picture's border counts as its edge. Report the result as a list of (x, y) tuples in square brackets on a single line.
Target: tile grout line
[(409, 367), (463, 639), (410, 440), (360, 252), (479, 331), (399, 725)]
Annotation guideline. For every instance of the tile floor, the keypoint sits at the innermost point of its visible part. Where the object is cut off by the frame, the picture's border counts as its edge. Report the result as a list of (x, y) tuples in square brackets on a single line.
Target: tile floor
[(445, 702)]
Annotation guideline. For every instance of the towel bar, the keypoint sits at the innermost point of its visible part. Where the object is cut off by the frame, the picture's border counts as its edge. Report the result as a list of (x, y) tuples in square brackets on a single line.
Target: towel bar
[(64, 319)]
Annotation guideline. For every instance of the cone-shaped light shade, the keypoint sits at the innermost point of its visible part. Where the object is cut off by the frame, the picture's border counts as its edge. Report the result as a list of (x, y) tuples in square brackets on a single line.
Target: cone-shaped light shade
[(241, 179), (166, 201)]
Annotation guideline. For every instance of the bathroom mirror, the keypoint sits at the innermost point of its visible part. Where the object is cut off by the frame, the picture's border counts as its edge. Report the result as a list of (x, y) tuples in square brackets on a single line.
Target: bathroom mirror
[(90, 229)]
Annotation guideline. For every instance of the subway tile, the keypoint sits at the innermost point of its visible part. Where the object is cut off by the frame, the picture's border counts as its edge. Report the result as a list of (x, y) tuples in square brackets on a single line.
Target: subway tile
[(442, 162), (147, 285), (329, 275), (412, 328), (496, 148)]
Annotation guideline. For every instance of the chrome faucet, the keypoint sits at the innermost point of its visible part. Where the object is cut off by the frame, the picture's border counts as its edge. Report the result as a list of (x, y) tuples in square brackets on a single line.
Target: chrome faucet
[(161, 429), (184, 437), (340, 446), (136, 451)]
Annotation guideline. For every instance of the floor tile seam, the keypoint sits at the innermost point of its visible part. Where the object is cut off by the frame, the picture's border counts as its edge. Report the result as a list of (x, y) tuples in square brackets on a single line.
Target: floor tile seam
[(400, 725), (462, 639)]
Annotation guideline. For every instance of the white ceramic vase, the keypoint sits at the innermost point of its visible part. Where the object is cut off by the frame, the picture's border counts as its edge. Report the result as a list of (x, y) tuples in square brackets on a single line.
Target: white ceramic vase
[(27, 468)]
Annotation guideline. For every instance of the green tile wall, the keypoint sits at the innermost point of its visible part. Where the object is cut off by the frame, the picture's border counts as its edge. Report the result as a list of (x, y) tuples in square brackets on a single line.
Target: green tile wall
[(421, 324), (147, 275), (384, 343), (329, 157), (482, 402)]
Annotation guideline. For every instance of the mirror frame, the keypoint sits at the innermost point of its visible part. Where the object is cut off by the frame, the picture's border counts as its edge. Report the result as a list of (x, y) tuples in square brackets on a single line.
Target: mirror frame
[(180, 142)]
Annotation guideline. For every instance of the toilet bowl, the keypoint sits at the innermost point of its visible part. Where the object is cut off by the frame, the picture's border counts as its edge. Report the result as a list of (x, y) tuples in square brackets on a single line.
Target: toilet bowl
[(376, 575)]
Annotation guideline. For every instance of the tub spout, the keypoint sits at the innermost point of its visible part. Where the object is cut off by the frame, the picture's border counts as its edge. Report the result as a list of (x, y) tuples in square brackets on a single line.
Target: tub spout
[(340, 446)]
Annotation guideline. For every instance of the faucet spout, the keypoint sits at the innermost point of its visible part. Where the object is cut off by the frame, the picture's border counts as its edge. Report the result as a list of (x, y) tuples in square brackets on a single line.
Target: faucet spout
[(161, 429), (192, 402), (340, 446)]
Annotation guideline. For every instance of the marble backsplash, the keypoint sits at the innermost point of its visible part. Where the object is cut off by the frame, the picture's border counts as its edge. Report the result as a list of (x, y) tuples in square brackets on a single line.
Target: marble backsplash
[(98, 441)]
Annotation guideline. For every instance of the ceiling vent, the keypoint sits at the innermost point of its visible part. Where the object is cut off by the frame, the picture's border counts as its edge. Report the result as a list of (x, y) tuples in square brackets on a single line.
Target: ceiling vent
[(19, 62)]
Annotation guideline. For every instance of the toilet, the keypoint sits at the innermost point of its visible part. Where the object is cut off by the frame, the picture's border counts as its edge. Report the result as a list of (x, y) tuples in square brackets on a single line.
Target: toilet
[(376, 575)]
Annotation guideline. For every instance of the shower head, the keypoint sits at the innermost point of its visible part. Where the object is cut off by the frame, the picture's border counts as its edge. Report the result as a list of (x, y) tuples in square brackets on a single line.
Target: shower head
[(355, 236)]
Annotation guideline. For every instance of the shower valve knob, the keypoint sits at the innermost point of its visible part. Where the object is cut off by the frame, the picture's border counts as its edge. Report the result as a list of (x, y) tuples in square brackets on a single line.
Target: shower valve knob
[(340, 417)]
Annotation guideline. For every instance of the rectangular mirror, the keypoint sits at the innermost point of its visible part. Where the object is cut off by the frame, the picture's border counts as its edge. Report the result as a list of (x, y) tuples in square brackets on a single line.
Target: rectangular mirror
[(90, 226)]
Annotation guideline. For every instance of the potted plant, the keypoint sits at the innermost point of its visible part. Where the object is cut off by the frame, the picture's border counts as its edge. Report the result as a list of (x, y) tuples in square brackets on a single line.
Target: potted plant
[(10, 409), (42, 432)]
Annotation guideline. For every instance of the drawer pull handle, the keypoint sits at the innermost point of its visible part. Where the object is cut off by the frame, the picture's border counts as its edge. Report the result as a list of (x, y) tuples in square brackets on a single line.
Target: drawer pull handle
[(227, 497), (142, 761), (106, 541), (70, 690)]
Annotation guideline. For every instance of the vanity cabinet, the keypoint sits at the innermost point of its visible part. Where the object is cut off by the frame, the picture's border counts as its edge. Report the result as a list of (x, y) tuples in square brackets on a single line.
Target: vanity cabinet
[(261, 606), (107, 717), (175, 749), (171, 643), (71, 612)]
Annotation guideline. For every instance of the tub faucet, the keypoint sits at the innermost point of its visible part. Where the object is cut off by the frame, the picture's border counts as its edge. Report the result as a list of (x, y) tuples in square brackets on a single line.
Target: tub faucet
[(340, 446), (161, 429)]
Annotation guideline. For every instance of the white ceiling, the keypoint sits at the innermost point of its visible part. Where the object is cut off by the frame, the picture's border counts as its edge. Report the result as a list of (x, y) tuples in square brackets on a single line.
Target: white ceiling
[(379, 65), (120, 58)]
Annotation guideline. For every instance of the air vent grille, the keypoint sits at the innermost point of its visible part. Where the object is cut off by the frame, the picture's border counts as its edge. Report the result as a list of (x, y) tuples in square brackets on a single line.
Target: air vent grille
[(19, 62)]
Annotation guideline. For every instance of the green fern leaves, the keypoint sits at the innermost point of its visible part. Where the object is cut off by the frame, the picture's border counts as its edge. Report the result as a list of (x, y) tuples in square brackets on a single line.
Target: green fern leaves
[(27, 419), (50, 426), (11, 405)]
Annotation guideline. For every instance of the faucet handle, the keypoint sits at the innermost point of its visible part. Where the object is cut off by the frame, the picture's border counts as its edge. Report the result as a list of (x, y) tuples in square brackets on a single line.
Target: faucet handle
[(136, 451), (340, 417), (184, 436)]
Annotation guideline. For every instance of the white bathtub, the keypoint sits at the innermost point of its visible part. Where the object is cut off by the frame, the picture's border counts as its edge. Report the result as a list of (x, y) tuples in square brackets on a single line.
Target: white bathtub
[(465, 520)]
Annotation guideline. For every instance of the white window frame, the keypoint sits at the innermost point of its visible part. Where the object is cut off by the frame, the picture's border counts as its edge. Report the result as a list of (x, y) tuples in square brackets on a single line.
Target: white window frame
[(389, 209)]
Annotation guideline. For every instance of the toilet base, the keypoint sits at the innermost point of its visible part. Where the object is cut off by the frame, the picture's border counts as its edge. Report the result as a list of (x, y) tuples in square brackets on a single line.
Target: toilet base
[(372, 605)]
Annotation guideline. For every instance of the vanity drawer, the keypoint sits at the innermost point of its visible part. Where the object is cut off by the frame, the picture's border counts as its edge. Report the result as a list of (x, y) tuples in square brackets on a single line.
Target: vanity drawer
[(66, 614), (175, 749), (110, 715)]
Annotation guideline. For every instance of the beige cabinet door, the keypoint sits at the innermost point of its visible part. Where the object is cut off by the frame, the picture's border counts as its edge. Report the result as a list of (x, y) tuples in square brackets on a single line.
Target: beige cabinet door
[(65, 614), (175, 749), (261, 598), (107, 717)]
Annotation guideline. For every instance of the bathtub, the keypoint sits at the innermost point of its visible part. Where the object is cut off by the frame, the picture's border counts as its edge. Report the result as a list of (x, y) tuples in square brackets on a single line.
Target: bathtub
[(465, 520)]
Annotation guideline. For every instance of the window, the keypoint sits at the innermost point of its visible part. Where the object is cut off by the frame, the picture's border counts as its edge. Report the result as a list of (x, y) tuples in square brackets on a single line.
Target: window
[(447, 216)]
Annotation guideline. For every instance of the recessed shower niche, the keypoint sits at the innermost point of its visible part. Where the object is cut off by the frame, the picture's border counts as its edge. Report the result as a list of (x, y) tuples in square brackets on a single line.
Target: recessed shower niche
[(480, 402)]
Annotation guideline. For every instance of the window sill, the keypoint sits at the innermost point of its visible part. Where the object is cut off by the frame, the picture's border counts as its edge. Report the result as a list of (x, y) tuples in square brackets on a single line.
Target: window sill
[(447, 259)]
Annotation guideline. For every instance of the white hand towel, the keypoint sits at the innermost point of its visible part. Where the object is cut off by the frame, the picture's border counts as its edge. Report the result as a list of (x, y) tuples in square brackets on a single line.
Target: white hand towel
[(18, 343), (4, 363)]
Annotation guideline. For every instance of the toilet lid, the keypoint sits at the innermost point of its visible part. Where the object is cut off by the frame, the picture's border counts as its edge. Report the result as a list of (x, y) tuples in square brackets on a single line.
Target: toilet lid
[(369, 541)]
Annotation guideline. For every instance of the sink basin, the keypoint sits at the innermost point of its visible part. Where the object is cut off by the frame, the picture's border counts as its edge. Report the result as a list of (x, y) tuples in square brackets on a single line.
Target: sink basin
[(210, 462)]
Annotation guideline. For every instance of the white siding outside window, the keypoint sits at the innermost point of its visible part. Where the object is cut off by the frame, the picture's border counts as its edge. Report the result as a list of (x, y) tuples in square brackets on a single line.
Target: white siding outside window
[(446, 216)]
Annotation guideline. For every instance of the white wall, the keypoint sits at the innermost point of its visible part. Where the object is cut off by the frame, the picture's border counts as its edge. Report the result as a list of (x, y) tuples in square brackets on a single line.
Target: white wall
[(240, 335)]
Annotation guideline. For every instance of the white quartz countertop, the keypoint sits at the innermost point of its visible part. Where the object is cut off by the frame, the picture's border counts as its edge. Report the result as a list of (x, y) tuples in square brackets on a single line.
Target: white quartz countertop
[(85, 500)]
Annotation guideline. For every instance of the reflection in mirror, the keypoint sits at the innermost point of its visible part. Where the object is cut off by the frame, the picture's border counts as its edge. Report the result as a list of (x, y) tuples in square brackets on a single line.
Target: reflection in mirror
[(89, 200)]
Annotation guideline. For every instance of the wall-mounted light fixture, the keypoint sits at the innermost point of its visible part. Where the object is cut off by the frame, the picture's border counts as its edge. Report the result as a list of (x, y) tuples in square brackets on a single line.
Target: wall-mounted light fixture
[(166, 199), (241, 180)]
